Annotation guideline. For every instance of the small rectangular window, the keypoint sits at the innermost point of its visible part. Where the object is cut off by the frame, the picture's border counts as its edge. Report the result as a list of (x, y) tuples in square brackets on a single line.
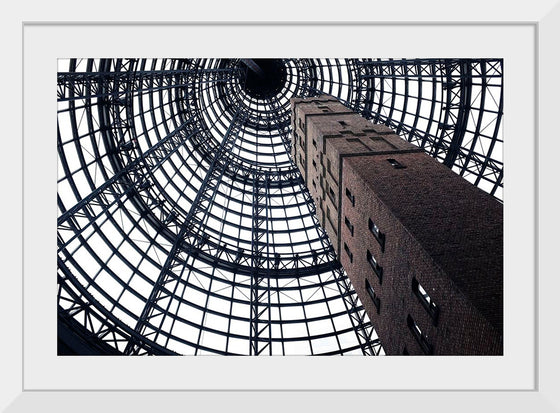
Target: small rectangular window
[(314, 164), (329, 170), (373, 296), (377, 269), (330, 221), (349, 225), (419, 336), (342, 123), (331, 195), (348, 252), (350, 197), (379, 236), (396, 164), (314, 144), (426, 301)]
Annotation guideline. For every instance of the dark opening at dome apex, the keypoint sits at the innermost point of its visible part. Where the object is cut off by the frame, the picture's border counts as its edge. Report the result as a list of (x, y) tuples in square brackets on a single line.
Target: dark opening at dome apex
[(265, 77)]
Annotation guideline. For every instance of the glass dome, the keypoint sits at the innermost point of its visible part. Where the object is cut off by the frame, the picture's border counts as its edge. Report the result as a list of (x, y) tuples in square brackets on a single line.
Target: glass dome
[(185, 228)]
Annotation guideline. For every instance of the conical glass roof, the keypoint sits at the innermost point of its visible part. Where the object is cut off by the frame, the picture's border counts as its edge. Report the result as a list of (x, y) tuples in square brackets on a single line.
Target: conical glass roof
[(185, 228)]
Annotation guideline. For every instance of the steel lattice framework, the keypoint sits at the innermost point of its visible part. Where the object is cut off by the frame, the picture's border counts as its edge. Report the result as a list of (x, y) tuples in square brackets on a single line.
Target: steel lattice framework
[(185, 228)]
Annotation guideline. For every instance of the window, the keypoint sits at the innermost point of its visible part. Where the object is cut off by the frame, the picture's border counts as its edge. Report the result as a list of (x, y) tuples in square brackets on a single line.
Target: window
[(396, 164), (314, 164), (426, 301), (350, 196), (342, 123), (331, 195), (375, 266), (373, 296), (419, 336), (348, 252), (379, 236), (349, 225), (329, 170), (329, 166), (332, 225), (314, 144)]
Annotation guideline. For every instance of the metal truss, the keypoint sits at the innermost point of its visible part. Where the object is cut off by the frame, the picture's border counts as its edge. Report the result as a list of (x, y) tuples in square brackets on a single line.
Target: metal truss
[(184, 226), (452, 108)]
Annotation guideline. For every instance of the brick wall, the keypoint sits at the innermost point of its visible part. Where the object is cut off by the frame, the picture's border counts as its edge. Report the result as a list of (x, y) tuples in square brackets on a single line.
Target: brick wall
[(438, 229)]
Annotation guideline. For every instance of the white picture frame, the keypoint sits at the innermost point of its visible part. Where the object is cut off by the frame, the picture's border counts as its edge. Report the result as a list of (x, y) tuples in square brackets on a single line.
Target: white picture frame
[(33, 379)]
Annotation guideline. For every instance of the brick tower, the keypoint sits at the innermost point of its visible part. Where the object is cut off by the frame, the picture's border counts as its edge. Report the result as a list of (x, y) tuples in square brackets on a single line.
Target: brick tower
[(422, 246)]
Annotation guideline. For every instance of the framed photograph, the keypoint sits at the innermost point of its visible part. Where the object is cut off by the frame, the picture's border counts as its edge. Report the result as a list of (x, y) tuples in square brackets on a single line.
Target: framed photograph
[(35, 377)]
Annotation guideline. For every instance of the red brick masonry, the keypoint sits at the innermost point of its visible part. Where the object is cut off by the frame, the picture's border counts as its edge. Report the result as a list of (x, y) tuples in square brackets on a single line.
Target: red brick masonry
[(438, 234)]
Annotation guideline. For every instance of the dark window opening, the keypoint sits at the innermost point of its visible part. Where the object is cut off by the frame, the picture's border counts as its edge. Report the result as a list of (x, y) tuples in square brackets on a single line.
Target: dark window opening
[(373, 296), (419, 336), (342, 123), (314, 144), (426, 301), (330, 221), (350, 196), (396, 164), (377, 269), (330, 171), (349, 225), (314, 164), (379, 236), (331, 195), (348, 252)]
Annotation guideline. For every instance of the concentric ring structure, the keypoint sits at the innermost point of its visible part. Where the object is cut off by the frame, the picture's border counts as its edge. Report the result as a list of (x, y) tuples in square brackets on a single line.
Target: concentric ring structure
[(184, 226)]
